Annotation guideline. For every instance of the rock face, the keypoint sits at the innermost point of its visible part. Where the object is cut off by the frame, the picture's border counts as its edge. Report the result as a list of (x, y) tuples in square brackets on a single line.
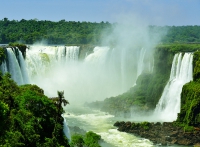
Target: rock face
[(165, 134)]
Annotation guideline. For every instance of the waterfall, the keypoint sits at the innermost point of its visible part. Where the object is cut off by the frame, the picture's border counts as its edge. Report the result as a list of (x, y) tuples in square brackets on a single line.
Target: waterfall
[(98, 58), (61, 53), (140, 66), (104, 73), (41, 59), (3, 67), (66, 129), (67, 53), (14, 68), (181, 73), (72, 53), (23, 69)]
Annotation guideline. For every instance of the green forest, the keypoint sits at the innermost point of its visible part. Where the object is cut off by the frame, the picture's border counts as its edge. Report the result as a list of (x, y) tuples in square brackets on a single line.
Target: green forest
[(72, 32), (29, 118)]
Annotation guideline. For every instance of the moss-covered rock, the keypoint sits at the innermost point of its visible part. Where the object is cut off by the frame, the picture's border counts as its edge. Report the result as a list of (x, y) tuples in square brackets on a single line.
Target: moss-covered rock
[(21, 47), (196, 66), (2, 54), (85, 50), (149, 86), (166, 134), (190, 97), (44, 58), (190, 104)]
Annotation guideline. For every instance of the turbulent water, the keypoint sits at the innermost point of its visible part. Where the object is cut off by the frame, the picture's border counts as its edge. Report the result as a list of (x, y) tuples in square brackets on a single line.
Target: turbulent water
[(102, 124), (104, 73)]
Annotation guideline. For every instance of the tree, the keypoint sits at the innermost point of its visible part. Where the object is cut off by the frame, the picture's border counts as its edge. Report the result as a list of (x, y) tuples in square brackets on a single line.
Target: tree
[(60, 100)]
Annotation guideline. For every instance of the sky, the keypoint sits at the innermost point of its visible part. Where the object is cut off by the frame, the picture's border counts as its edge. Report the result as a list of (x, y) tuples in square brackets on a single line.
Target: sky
[(152, 12)]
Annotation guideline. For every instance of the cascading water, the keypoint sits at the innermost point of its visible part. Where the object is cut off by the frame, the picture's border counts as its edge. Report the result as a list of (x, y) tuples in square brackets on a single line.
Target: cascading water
[(181, 73), (72, 53), (3, 67), (66, 129), (104, 73), (18, 74), (16, 66), (140, 66), (23, 69), (41, 59)]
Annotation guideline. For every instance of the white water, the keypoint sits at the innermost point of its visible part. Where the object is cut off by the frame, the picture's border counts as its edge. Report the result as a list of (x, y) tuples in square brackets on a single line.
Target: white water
[(102, 124), (66, 129), (181, 73), (23, 68), (140, 66), (18, 73), (104, 73), (3, 67), (16, 67)]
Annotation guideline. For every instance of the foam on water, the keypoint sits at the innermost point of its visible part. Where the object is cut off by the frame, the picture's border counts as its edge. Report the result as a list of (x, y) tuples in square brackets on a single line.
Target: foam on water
[(102, 124)]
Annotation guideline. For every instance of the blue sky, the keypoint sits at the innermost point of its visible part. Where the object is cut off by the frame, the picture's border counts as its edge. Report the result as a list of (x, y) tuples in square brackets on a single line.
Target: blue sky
[(154, 12)]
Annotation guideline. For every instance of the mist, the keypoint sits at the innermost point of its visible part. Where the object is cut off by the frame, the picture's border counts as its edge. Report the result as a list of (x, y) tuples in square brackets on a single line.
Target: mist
[(110, 70)]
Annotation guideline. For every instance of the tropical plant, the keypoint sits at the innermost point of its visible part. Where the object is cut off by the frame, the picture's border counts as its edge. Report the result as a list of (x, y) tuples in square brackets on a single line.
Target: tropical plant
[(60, 100)]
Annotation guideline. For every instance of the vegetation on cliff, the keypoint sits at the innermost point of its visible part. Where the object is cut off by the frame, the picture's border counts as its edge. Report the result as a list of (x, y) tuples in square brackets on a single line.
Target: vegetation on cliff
[(190, 97), (20, 46), (90, 139), (167, 133), (149, 86), (2, 54), (186, 129), (28, 117)]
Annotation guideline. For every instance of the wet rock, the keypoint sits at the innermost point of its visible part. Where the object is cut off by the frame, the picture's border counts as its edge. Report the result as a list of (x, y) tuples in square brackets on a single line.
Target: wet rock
[(164, 134)]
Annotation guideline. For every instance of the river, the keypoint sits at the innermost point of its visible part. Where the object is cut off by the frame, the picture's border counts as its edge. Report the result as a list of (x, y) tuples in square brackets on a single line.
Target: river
[(102, 124)]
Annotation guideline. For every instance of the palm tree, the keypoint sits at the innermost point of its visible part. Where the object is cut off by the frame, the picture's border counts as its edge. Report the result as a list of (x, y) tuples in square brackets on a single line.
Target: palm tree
[(59, 100)]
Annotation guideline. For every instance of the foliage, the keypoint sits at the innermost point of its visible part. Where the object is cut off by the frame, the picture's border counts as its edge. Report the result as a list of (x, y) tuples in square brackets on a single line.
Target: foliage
[(143, 125), (28, 117), (196, 64), (61, 32), (190, 98), (59, 101), (71, 32), (77, 141), (181, 34), (21, 47), (188, 128), (90, 139), (2, 55), (148, 89), (4, 110), (190, 103), (149, 86), (177, 47)]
